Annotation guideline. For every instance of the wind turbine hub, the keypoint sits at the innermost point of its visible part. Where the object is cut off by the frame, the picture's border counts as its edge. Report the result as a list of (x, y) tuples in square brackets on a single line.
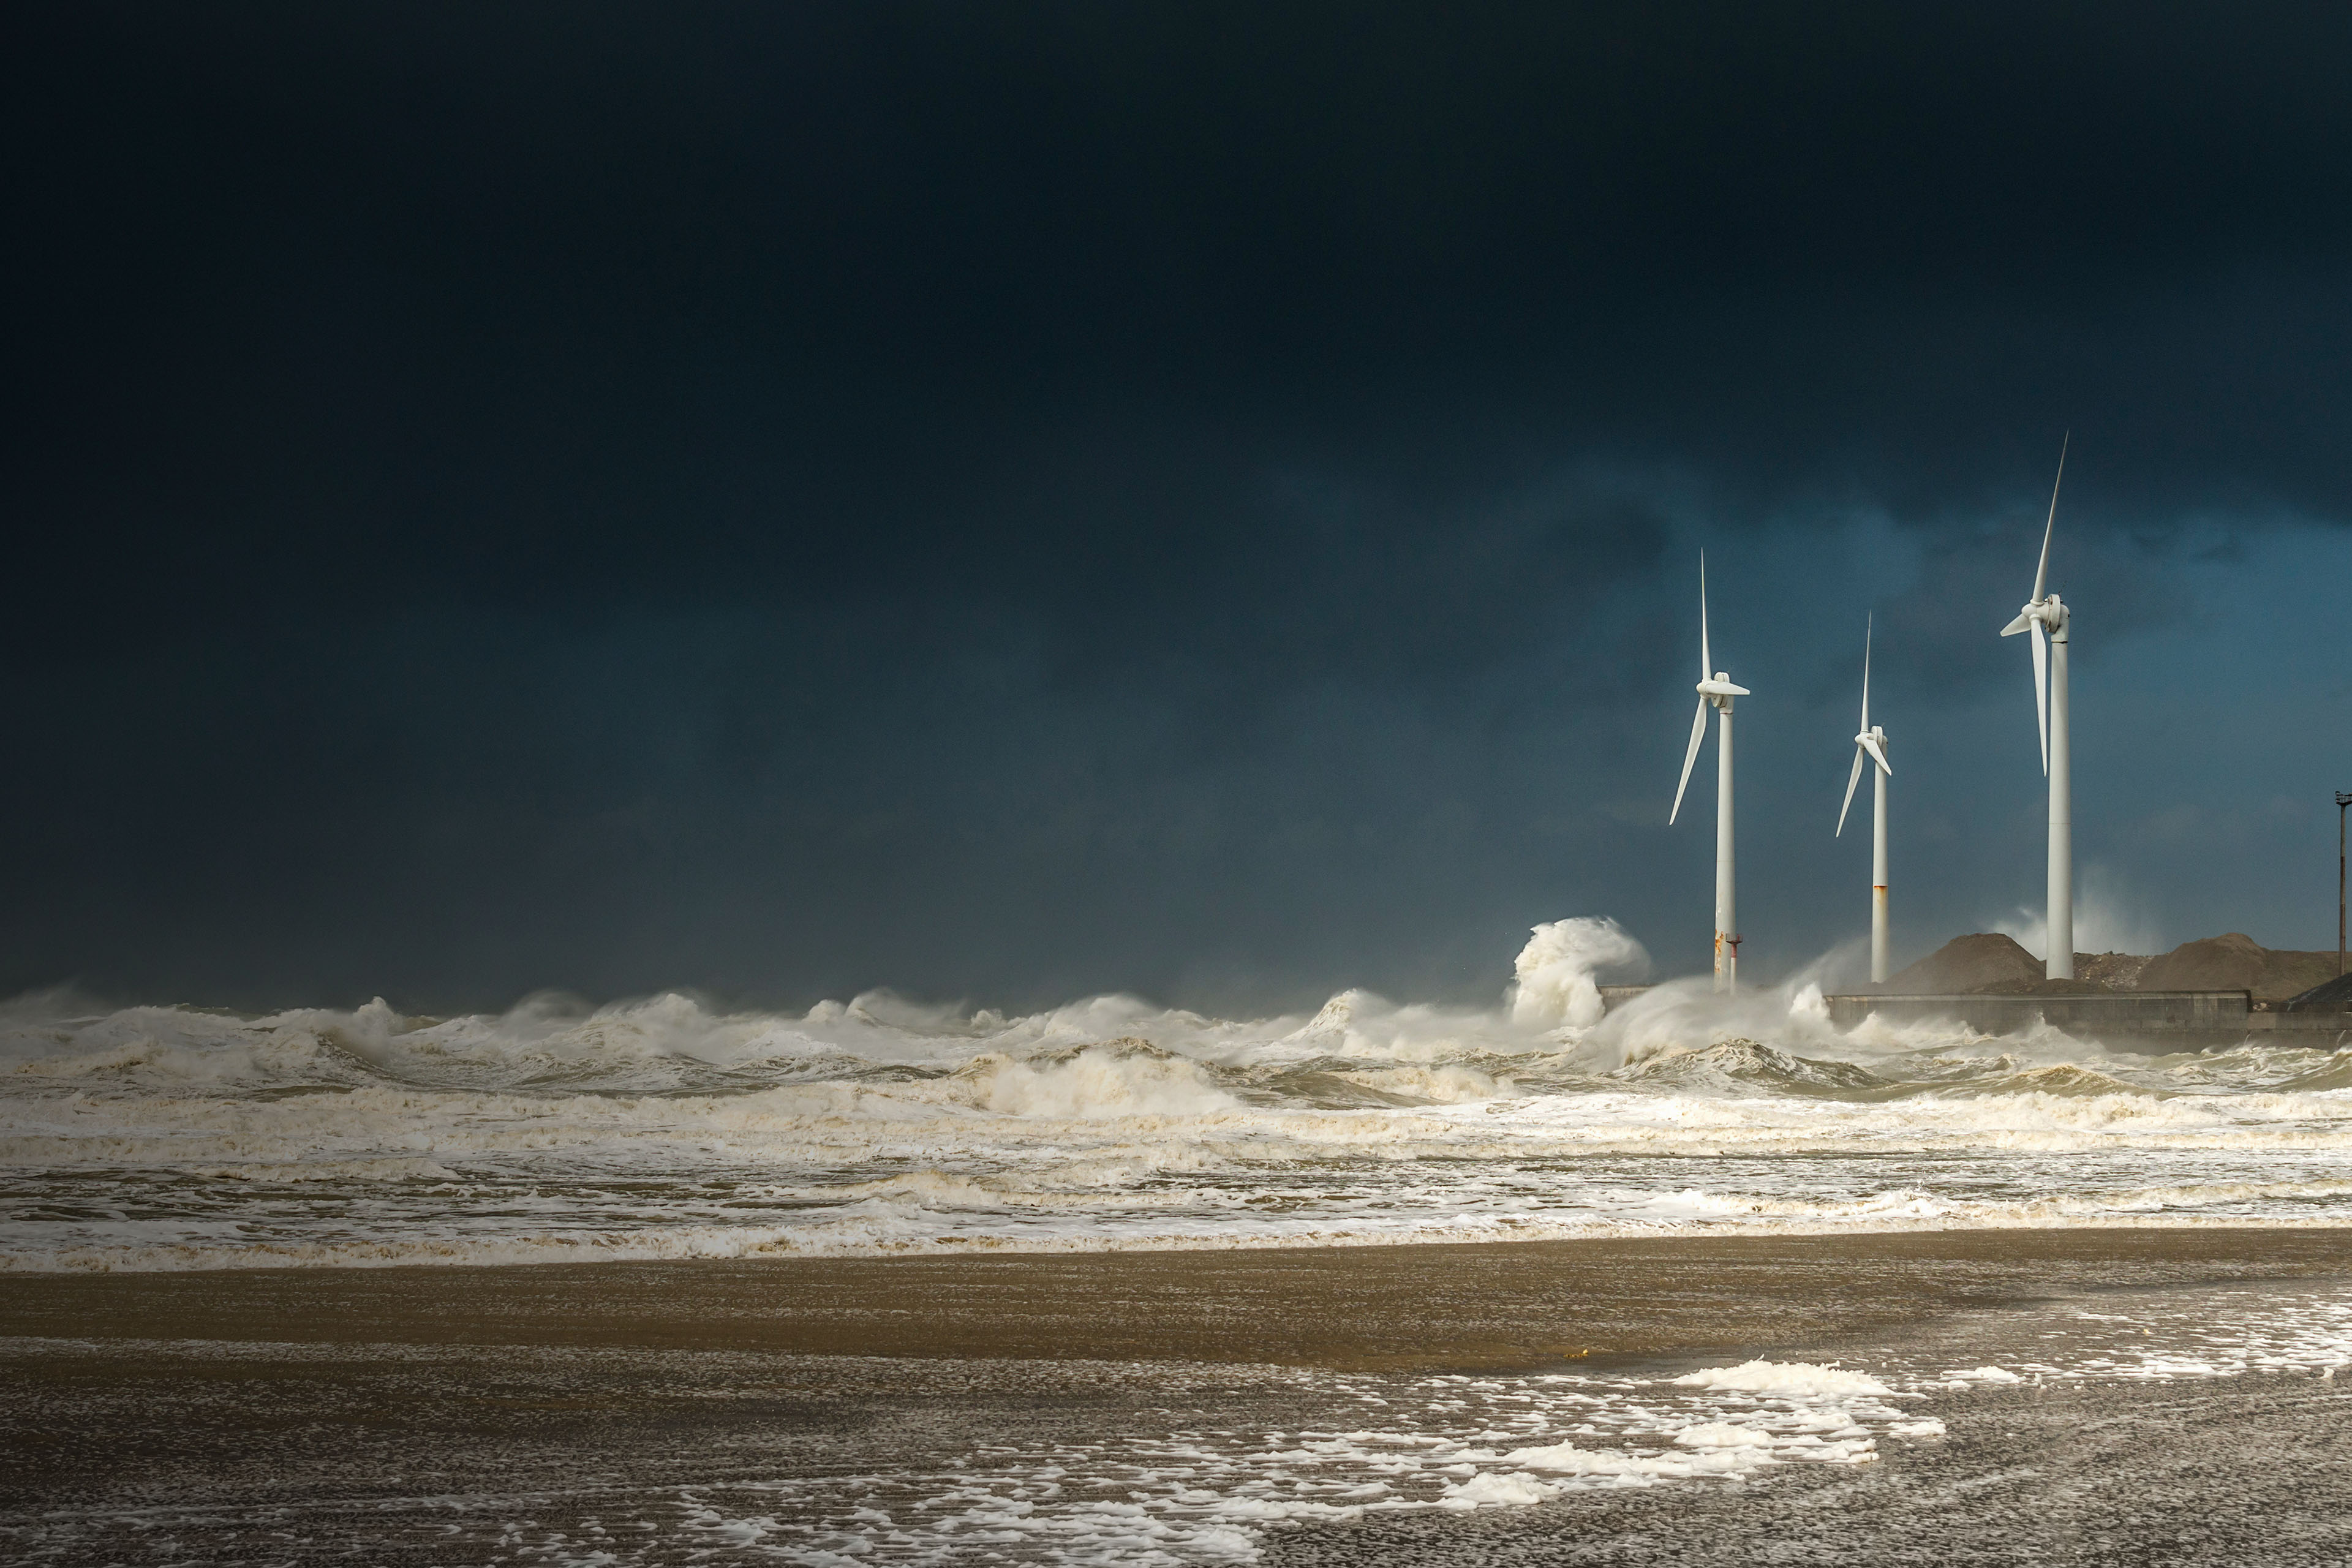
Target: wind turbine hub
[(2048, 612)]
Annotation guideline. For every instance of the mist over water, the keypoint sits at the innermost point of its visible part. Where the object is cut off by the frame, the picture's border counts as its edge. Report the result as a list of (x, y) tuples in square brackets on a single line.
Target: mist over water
[(160, 1137)]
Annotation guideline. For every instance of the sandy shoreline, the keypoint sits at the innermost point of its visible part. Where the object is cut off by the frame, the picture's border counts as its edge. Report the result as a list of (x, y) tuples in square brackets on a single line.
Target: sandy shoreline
[(2175, 1400), (1477, 1305)]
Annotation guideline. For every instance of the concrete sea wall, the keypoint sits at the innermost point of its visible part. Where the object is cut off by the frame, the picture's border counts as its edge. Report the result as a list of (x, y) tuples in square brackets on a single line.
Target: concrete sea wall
[(2165, 1019)]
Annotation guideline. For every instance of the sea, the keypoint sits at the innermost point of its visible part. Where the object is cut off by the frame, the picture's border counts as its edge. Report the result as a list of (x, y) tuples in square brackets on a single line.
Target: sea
[(176, 1138)]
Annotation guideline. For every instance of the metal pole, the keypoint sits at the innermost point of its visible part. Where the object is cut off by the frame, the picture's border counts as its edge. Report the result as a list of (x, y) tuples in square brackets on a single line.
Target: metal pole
[(2342, 800), (1878, 940), (2060, 963), (1726, 930)]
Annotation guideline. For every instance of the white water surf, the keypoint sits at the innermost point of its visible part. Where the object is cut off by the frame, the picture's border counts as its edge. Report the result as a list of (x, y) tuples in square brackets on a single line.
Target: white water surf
[(159, 1137)]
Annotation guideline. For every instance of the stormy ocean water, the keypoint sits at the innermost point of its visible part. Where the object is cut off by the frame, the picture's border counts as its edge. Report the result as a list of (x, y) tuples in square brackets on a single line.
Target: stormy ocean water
[(162, 1138), (148, 1142)]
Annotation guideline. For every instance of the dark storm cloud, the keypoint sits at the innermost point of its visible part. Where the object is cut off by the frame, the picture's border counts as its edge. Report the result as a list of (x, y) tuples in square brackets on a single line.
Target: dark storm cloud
[(1033, 499)]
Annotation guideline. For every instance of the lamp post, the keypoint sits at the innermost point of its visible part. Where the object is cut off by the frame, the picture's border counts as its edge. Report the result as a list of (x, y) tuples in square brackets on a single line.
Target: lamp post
[(2342, 800)]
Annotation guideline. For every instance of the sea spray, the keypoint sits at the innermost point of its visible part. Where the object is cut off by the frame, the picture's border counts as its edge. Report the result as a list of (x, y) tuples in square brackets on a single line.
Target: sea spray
[(1556, 971)]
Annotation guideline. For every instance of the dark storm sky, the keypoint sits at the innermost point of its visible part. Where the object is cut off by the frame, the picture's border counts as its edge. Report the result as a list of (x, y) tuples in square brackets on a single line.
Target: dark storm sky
[(1013, 502)]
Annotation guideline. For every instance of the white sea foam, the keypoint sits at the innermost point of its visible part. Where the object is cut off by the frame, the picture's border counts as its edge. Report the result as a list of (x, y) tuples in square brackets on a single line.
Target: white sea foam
[(1373, 1445), (174, 1138), (1777, 1380)]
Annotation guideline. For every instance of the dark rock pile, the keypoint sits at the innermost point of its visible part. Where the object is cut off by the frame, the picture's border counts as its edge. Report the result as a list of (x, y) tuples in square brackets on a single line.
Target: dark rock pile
[(2235, 962), (1989, 962), (2115, 971)]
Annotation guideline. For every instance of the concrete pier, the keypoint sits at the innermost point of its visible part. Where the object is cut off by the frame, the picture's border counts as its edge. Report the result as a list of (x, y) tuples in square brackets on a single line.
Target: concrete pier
[(2161, 1020), (2156, 1020)]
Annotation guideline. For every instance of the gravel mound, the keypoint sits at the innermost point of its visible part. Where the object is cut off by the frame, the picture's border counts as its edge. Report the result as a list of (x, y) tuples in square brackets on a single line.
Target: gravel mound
[(1968, 963)]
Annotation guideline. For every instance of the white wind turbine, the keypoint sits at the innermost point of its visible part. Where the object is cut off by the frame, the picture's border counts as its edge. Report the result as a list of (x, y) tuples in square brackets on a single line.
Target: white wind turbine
[(1873, 741), (1715, 690), (2046, 618)]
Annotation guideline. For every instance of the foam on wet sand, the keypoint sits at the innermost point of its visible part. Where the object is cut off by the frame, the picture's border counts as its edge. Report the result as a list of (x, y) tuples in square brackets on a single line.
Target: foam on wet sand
[(652, 1412)]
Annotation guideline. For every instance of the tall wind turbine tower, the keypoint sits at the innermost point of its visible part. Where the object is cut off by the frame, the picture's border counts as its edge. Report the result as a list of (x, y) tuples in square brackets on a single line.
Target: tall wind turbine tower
[(2046, 618), (1871, 743), (1716, 690)]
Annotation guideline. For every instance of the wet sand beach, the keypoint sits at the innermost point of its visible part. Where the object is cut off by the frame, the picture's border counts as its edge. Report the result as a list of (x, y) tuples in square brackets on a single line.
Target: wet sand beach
[(1482, 1305), (1203, 1406)]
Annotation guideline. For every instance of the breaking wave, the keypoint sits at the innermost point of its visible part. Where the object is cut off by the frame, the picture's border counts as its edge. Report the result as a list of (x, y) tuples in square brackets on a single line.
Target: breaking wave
[(172, 1138)]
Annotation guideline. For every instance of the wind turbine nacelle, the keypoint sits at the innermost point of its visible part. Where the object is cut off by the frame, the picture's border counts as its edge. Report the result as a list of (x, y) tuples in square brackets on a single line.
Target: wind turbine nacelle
[(2049, 611), (1721, 686)]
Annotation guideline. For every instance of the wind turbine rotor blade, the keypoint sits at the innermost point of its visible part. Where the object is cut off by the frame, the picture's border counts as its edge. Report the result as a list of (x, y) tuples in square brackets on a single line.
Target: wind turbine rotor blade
[(1852, 779), (1705, 657), (2016, 625), (2041, 689), (1698, 737), (2042, 573), (1866, 675), (1870, 745)]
